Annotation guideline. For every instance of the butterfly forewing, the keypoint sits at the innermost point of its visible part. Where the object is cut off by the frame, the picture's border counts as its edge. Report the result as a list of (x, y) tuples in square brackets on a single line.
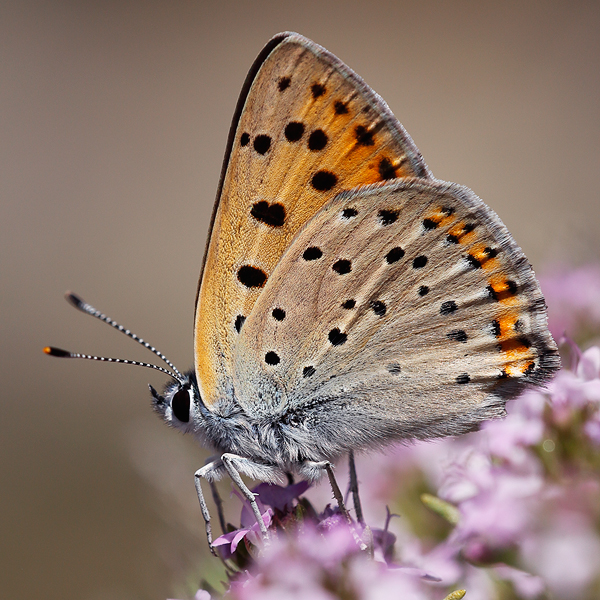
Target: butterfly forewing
[(409, 298), (306, 128)]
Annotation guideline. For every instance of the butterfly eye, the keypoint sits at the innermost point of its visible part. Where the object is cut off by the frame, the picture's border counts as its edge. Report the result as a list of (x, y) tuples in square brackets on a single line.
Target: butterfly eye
[(180, 405)]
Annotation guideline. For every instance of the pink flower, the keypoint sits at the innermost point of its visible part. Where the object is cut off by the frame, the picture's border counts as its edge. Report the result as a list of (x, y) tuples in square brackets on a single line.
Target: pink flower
[(522, 428), (526, 585), (324, 567), (277, 497), (573, 298), (227, 543), (566, 553)]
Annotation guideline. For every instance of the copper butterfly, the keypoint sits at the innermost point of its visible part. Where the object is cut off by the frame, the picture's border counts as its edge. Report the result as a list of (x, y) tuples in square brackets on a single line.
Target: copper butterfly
[(347, 298)]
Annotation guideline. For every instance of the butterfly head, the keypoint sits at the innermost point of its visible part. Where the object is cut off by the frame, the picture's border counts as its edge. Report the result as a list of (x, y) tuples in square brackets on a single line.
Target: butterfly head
[(179, 405)]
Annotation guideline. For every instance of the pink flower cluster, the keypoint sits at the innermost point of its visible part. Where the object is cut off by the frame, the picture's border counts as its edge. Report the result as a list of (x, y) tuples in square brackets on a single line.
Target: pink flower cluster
[(323, 567), (573, 298), (528, 488)]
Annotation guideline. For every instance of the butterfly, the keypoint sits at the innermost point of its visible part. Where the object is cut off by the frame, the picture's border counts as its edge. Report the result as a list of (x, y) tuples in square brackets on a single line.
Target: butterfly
[(347, 299)]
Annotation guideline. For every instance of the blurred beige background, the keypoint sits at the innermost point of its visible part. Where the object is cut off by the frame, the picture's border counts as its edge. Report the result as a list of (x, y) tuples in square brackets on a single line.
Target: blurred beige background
[(113, 121)]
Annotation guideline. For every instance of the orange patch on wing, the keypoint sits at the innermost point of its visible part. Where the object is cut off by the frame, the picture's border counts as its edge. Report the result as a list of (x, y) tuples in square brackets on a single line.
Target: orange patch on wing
[(515, 346), (503, 289), (462, 233), (519, 367), (506, 324), (442, 215), (485, 256)]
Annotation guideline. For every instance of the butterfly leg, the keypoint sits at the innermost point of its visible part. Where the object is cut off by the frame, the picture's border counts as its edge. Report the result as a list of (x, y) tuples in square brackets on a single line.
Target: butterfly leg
[(210, 472), (367, 534), (326, 466), (234, 464), (354, 489), (219, 504)]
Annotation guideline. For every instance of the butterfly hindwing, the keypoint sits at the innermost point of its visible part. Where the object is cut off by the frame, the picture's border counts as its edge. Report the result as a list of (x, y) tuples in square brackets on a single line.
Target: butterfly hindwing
[(408, 304), (306, 127)]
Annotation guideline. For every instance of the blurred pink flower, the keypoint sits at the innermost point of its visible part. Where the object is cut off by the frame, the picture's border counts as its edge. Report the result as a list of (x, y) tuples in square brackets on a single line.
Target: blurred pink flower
[(573, 298), (277, 497), (522, 428), (592, 428), (495, 502), (324, 567), (527, 585), (566, 554)]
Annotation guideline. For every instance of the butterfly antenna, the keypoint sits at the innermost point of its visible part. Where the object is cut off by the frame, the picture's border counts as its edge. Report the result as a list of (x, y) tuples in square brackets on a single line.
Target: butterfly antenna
[(52, 351), (84, 307)]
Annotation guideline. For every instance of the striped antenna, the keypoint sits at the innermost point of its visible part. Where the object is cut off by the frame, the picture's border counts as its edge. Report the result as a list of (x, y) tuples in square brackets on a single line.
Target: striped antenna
[(86, 308), (52, 351)]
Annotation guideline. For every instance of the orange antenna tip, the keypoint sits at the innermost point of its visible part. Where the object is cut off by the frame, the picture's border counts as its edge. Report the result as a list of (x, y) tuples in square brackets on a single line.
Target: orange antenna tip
[(56, 352)]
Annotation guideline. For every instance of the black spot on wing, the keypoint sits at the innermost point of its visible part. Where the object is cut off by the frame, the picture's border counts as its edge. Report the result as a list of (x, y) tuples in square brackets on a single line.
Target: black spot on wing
[(394, 255), (463, 378), (348, 213), (473, 261), (342, 266), (363, 136), (378, 307), (386, 169), (245, 139), (284, 83), (454, 238), (423, 290), (448, 307), (271, 358), (530, 368), (262, 143), (317, 90), (349, 304), (251, 277), (278, 314), (317, 140), (387, 217), (458, 335), (308, 371), (239, 321), (419, 262), (340, 108), (294, 131), (323, 181), (312, 253), (524, 341), (503, 291), (336, 337), (269, 214), (496, 328)]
